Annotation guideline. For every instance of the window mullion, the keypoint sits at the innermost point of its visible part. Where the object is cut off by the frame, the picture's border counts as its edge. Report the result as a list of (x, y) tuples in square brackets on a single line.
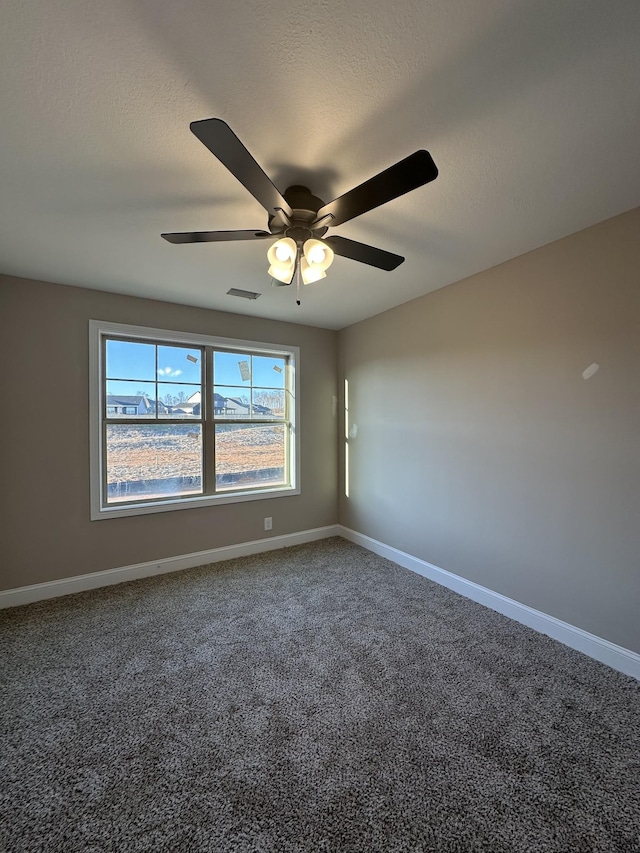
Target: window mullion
[(208, 426)]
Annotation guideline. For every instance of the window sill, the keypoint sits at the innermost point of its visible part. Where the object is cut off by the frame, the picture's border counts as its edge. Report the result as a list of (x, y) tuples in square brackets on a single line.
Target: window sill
[(142, 508)]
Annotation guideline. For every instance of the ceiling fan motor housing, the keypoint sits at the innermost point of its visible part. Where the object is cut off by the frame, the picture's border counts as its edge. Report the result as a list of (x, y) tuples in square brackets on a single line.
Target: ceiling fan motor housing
[(304, 209)]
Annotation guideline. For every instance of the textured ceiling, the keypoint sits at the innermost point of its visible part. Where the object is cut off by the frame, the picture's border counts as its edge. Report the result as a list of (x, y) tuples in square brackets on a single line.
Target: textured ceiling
[(530, 109)]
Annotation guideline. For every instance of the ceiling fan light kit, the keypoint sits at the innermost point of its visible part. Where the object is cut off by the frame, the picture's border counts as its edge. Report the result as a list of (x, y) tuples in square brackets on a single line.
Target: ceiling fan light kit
[(300, 220)]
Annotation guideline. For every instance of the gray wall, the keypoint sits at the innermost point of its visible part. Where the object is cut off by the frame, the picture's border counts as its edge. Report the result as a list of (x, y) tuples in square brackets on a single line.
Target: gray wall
[(44, 445), (481, 448)]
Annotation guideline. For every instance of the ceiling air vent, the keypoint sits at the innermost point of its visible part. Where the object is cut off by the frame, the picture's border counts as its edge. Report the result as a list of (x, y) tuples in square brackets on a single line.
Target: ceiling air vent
[(244, 294)]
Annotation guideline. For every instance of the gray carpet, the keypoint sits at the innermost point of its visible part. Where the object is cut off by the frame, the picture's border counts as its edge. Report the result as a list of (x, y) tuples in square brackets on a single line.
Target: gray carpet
[(317, 698)]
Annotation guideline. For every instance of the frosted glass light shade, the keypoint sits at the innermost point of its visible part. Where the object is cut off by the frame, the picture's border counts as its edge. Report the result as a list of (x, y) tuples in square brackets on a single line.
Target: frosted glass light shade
[(282, 259), (317, 254), (280, 278), (284, 276), (283, 251), (310, 273)]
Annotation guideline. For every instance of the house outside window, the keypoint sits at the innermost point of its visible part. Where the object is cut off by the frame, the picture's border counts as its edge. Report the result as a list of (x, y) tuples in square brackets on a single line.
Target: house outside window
[(180, 420)]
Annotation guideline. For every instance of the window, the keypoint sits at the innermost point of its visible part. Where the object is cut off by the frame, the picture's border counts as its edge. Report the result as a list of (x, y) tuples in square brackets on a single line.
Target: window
[(181, 420)]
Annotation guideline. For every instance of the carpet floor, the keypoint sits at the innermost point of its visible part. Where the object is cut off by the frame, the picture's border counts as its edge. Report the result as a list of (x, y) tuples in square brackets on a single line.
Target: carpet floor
[(318, 698)]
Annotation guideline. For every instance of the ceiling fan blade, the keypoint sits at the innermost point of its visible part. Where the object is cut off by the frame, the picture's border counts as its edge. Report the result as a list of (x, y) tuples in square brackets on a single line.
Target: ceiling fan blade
[(414, 171), (225, 145), (215, 236), (363, 253)]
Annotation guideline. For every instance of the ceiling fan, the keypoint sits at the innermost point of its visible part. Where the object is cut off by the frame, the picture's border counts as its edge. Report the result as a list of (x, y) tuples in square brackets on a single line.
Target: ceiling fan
[(300, 220)]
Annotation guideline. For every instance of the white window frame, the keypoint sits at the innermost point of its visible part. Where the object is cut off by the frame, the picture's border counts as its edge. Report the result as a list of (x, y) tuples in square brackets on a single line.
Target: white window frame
[(99, 508)]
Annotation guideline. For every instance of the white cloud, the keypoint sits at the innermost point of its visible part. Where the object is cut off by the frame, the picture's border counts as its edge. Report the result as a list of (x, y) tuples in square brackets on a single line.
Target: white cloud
[(168, 371)]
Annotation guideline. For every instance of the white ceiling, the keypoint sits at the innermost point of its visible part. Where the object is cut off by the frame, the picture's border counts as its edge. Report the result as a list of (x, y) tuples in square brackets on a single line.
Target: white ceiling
[(530, 109)]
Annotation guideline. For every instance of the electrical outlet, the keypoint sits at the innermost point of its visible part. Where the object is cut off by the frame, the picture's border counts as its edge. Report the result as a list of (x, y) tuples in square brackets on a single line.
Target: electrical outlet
[(268, 523)]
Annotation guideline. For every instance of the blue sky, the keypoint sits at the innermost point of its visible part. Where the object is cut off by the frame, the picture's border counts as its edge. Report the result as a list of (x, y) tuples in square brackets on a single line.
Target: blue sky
[(134, 364)]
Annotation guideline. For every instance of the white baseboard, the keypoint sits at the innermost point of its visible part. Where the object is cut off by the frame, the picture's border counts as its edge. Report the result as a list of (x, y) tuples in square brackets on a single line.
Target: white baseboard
[(81, 583), (617, 657)]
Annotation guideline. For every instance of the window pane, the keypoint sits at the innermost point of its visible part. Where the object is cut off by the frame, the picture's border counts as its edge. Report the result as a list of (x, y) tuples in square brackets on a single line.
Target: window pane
[(153, 461), (268, 403), (179, 401), (131, 399), (249, 455), (231, 402), (231, 368), (235, 402), (179, 364), (128, 360), (268, 371)]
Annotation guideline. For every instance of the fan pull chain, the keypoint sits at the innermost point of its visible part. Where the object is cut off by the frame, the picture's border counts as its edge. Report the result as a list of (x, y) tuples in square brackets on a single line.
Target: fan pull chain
[(298, 279)]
